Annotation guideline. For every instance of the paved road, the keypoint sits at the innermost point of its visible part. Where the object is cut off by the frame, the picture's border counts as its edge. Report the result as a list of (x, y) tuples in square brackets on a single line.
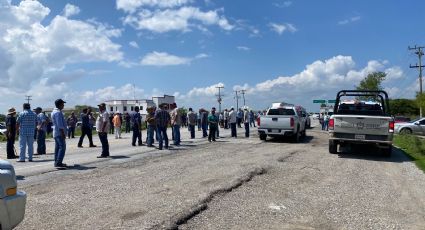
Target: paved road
[(230, 184)]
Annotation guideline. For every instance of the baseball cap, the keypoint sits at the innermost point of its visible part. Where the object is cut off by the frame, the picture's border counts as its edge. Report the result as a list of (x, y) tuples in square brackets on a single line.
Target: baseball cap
[(102, 104), (58, 101), (39, 108)]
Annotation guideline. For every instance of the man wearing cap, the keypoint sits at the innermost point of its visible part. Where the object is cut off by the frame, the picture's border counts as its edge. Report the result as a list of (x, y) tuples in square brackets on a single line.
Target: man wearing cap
[(102, 128), (41, 131), (86, 128), (117, 124), (26, 124), (191, 118), (213, 123), (59, 133), (11, 133), (232, 120), (176, 122), (72, 122)]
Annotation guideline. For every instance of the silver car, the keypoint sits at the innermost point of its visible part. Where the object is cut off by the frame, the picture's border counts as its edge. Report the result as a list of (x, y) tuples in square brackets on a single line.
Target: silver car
[(416, 127)]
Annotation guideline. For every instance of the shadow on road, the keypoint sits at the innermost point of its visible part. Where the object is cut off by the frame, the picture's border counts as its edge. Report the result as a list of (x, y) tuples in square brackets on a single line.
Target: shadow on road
[(19, 177), (80, 167), (306, 139), (118, 157), (374, 154)]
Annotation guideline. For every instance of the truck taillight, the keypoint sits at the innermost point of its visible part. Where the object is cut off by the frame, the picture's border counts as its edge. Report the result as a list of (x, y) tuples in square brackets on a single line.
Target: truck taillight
[(331, 124), (258, 121), (391, 127), (292, 122)]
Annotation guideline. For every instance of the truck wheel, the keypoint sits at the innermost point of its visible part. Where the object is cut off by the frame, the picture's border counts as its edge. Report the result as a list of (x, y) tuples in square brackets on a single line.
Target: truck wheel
[(296, 137), (406, 131), (304, 134), (333, 145), (388, 151), (263, 137)]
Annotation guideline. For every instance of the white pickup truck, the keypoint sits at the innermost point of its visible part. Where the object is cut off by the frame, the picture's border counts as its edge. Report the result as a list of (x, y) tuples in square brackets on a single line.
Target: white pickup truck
[(361, 122), (12, 201), (281, 120)]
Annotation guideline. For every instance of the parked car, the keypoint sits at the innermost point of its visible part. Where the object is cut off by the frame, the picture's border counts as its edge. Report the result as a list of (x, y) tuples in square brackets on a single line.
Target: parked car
[(12, 201), (361, 122), (2, 129), (416, 127), (401, 119), (315, 116), (281, 120)]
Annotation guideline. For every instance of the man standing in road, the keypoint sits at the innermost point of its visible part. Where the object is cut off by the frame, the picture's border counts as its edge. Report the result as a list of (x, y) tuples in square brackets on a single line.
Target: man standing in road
[(117, 124), (162, 118), (246, 121), (226, 119), (204, 122), (127, 119), (213, 123), (102, 128), (11, 133), (72, 122), (26, 124), (232, 120), (41, 131), (59, 133), (150, 119), (176, 121), (136, 121), (86, 128), (191, 118)]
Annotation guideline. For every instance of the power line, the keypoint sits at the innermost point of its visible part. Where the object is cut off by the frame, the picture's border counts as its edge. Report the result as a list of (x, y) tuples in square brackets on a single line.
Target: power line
[(420, 53), (243, 96), (219, 97), (28, 98)]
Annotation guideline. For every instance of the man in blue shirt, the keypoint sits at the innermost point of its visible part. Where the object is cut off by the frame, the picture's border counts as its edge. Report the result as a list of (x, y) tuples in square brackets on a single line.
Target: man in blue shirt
[(136, 120), (26, 124), (41, 131), (59, 133), (162, 118), (86, 128)]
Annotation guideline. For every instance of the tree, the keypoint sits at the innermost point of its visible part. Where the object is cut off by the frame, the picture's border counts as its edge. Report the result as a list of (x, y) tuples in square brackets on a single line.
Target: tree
[(406, 107), (373, 81)]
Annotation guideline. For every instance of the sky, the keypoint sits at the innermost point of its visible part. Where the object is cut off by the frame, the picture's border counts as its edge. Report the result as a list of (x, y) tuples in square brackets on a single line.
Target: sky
[(291, 51)]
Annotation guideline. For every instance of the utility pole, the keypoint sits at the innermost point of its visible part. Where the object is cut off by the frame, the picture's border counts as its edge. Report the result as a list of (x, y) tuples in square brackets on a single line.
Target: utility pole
[(243, 96), (237, 100), (420, 53), (28, 98), (219, 97)]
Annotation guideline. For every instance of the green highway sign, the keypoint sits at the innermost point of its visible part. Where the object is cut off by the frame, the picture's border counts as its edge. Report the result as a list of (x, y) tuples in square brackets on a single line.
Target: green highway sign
[(331, 101), (319, 101)]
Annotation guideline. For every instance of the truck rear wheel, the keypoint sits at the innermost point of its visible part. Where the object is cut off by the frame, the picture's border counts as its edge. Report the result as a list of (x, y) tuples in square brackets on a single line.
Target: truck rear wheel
[(296, 137), (333, 147), (263, 137)]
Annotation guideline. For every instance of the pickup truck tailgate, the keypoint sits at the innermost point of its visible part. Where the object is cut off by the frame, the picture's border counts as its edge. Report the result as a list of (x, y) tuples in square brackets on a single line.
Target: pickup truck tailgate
[(371, 125), (275, 122)]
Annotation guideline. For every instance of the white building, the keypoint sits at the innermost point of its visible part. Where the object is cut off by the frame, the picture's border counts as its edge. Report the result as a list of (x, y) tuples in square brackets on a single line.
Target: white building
[(128, 106)]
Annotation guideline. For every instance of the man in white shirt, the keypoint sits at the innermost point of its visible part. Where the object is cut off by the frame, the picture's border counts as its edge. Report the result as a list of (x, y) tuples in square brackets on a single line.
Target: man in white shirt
[(102, 128)]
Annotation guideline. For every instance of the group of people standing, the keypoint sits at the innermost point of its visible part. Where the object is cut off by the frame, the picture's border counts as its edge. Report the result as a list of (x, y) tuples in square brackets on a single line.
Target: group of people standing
[(157, 122)]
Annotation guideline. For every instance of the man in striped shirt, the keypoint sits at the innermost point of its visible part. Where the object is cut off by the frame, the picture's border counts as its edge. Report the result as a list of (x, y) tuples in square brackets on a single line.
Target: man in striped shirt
[(162, 118)]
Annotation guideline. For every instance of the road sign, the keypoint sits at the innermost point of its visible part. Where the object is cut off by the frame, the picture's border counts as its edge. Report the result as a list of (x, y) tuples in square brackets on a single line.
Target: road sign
[(319, 101), (332, 101)]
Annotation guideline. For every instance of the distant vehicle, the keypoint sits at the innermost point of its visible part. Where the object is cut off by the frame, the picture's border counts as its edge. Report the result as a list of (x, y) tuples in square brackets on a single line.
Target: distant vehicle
[(361, 122), (2, 128), (307, 121), (283, 119), (12, 201), (315, 116), (401, 119), (416, 127)]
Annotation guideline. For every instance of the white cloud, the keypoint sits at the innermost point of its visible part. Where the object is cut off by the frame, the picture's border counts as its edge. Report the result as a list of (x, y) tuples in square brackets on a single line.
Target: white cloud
[(132, 5), (243, 48), (283, 4), (134, 44), (70, 10), (182, 19), (281, 28), (349, 20), (163, 59), (30, 50)]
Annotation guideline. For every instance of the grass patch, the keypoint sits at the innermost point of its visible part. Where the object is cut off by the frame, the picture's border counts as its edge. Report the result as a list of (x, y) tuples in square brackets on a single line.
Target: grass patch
[(412, 146)]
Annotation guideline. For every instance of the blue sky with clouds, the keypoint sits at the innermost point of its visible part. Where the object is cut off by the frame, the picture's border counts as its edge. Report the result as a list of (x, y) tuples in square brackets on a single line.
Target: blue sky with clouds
[(277, 50)]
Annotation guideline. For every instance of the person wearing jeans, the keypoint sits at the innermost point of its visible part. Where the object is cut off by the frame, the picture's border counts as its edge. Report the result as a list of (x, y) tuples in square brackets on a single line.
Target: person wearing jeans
[(26, 124), (191, 118), (162, 119), (176, 122), (102, 128), (151, 125), (232, 120), (59, 133)]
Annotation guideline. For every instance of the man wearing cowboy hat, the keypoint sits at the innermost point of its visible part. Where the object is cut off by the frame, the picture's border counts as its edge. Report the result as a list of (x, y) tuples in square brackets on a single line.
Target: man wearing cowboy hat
[(11, 133)]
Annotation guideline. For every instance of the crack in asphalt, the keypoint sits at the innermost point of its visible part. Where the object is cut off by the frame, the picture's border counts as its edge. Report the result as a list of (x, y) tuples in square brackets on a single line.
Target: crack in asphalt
[(202, 205), (284, 158)]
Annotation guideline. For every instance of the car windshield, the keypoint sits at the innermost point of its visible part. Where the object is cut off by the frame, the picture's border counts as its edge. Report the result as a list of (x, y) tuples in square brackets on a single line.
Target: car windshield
[(281, 111)]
